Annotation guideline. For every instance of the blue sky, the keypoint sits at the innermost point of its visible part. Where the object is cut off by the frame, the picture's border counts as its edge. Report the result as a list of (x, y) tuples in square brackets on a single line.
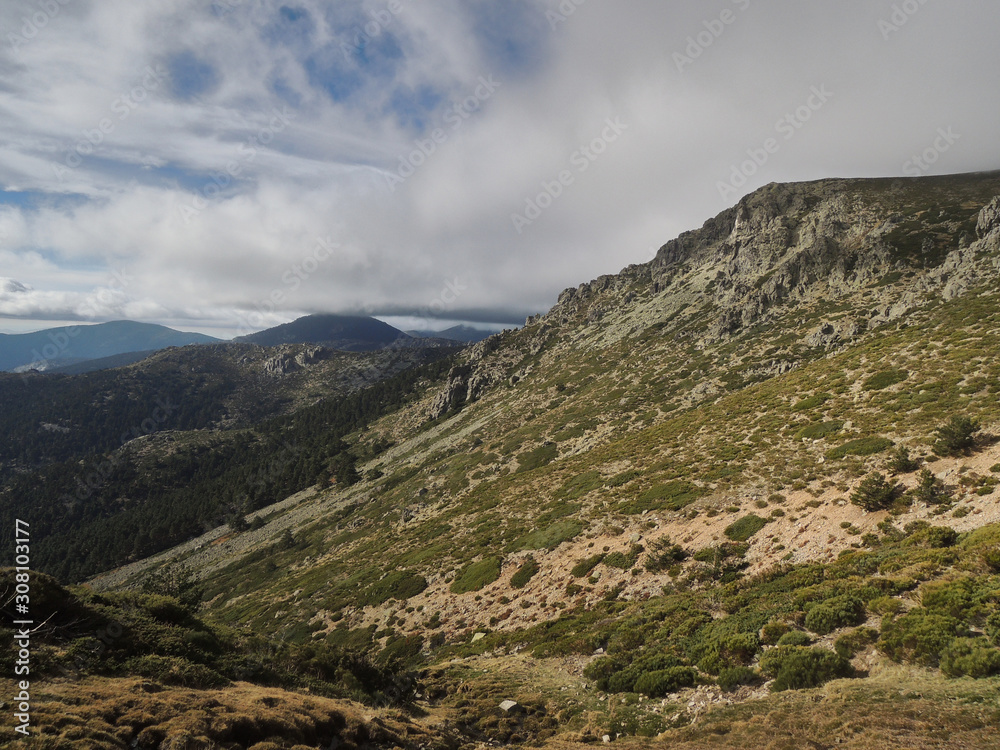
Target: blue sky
[(225, 165)]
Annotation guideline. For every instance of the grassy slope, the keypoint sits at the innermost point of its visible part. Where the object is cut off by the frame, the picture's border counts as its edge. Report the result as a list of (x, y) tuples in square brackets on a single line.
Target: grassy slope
[(635, 427)]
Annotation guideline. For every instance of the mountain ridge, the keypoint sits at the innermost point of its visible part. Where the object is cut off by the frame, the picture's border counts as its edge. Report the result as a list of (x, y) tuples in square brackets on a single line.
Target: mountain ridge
[(614, 516), (73, 344)]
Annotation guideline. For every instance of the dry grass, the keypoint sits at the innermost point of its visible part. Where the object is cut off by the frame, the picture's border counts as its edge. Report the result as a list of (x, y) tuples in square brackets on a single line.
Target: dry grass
[(134, 713)]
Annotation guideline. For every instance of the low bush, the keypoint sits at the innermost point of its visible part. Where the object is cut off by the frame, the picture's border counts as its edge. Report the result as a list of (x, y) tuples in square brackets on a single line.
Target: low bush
[(929, 489), (661, 682), (795, 638), (624, 560), (970, 657), (837, 612), (773, 631), (820, 430), (809, 668), (875, 493), (476, 576), (731, 678), (957, 437), (399, 584), (884, 379), (867, 446), (663, 555), (744, 528), (524, 574), (583, 567), (855, 641), (920, 636)]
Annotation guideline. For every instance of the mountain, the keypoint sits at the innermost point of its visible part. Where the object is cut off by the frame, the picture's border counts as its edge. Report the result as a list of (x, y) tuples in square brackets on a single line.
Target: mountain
[(55, 347), (345, 332), (465, 334), (743, 495)]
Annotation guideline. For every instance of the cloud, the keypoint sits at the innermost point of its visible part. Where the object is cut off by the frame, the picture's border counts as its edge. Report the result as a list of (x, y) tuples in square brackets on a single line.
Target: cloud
[(262, 160)]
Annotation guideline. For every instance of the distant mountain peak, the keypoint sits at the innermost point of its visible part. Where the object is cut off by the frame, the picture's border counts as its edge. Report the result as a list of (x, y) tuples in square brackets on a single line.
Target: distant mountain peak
[(345, 332)]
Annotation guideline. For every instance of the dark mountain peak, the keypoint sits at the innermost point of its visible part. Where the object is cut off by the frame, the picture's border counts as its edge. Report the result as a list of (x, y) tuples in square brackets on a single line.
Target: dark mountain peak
[(346, 332)]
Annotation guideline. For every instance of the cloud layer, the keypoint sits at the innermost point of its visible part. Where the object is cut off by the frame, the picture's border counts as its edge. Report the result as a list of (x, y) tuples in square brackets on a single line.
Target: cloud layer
[(231, 164)]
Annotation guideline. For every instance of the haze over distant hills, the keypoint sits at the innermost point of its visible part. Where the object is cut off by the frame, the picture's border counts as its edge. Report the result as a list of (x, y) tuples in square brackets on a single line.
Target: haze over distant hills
[(68, 345), (465, 334)]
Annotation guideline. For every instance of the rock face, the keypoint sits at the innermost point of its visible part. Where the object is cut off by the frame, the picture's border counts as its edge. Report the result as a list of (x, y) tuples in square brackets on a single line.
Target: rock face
[(884, 244), (989, 219)]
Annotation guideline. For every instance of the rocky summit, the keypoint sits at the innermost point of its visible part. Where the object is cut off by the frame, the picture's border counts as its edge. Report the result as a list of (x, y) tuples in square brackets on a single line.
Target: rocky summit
[(743, 495)]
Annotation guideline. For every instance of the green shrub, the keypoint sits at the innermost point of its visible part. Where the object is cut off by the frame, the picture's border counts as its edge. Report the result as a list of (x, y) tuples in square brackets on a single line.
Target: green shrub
[(399, 584), (867, 446), (602, 669), (820, 430), (476, 576), (956, 598), (900, 462), (854, 641), (731, 678), (717, 652), (970, 657), (663, 555), (874, 493), (812, 402), (920, 636), (583, 567), (549, 537), (884, 379), (929, 489), (809, 668), (773, 631), (957, 437), (995, 468), (744, 528), (661, 682), (795, 638), (624, 560), (540, 456), (524, 574), (837, 612), (670, 496), (922, 534)]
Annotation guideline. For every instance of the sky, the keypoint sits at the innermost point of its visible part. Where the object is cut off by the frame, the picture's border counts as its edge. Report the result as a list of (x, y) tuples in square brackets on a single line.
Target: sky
[(224, 166)]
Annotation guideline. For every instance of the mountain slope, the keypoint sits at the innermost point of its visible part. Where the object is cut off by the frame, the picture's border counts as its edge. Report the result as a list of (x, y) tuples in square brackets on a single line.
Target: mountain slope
[(646, 488), (72, 344)]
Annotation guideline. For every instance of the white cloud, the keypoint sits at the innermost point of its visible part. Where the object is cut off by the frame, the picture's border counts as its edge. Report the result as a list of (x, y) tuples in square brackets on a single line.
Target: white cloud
[(142, 195)]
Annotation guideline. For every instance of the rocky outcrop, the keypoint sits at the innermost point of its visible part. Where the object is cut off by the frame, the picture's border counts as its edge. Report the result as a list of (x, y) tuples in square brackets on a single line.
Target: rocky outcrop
[(989, 219)]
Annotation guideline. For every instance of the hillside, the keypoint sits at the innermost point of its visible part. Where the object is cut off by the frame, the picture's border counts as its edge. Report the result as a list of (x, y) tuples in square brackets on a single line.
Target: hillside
[(641, 514), (69, 345)]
